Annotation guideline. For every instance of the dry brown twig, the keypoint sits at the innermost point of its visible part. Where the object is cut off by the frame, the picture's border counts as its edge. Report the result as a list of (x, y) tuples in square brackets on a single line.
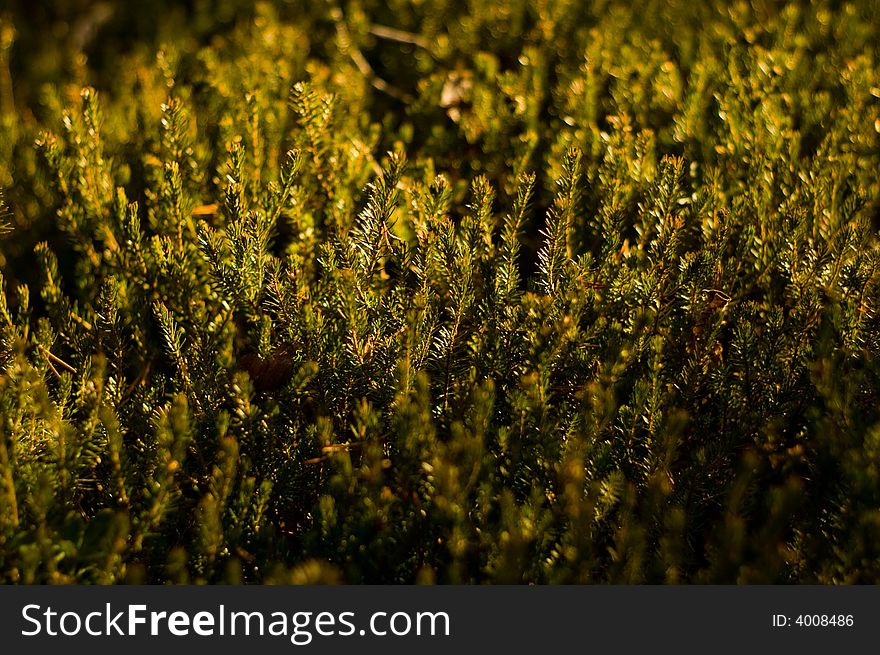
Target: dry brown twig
[(361, 62)]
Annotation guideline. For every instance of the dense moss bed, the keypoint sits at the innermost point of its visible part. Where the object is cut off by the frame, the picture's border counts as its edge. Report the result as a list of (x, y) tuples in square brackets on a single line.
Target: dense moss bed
[(440, 291)]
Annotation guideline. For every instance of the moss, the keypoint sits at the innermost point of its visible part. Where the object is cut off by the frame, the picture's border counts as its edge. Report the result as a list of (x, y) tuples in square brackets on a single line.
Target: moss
[(398, 292)]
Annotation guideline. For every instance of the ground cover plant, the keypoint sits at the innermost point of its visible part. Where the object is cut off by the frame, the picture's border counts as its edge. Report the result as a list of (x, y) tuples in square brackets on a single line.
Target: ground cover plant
[(440, 291)]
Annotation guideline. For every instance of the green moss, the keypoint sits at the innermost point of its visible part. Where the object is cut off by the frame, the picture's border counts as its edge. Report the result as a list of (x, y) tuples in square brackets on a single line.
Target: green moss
[(437, 292)]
